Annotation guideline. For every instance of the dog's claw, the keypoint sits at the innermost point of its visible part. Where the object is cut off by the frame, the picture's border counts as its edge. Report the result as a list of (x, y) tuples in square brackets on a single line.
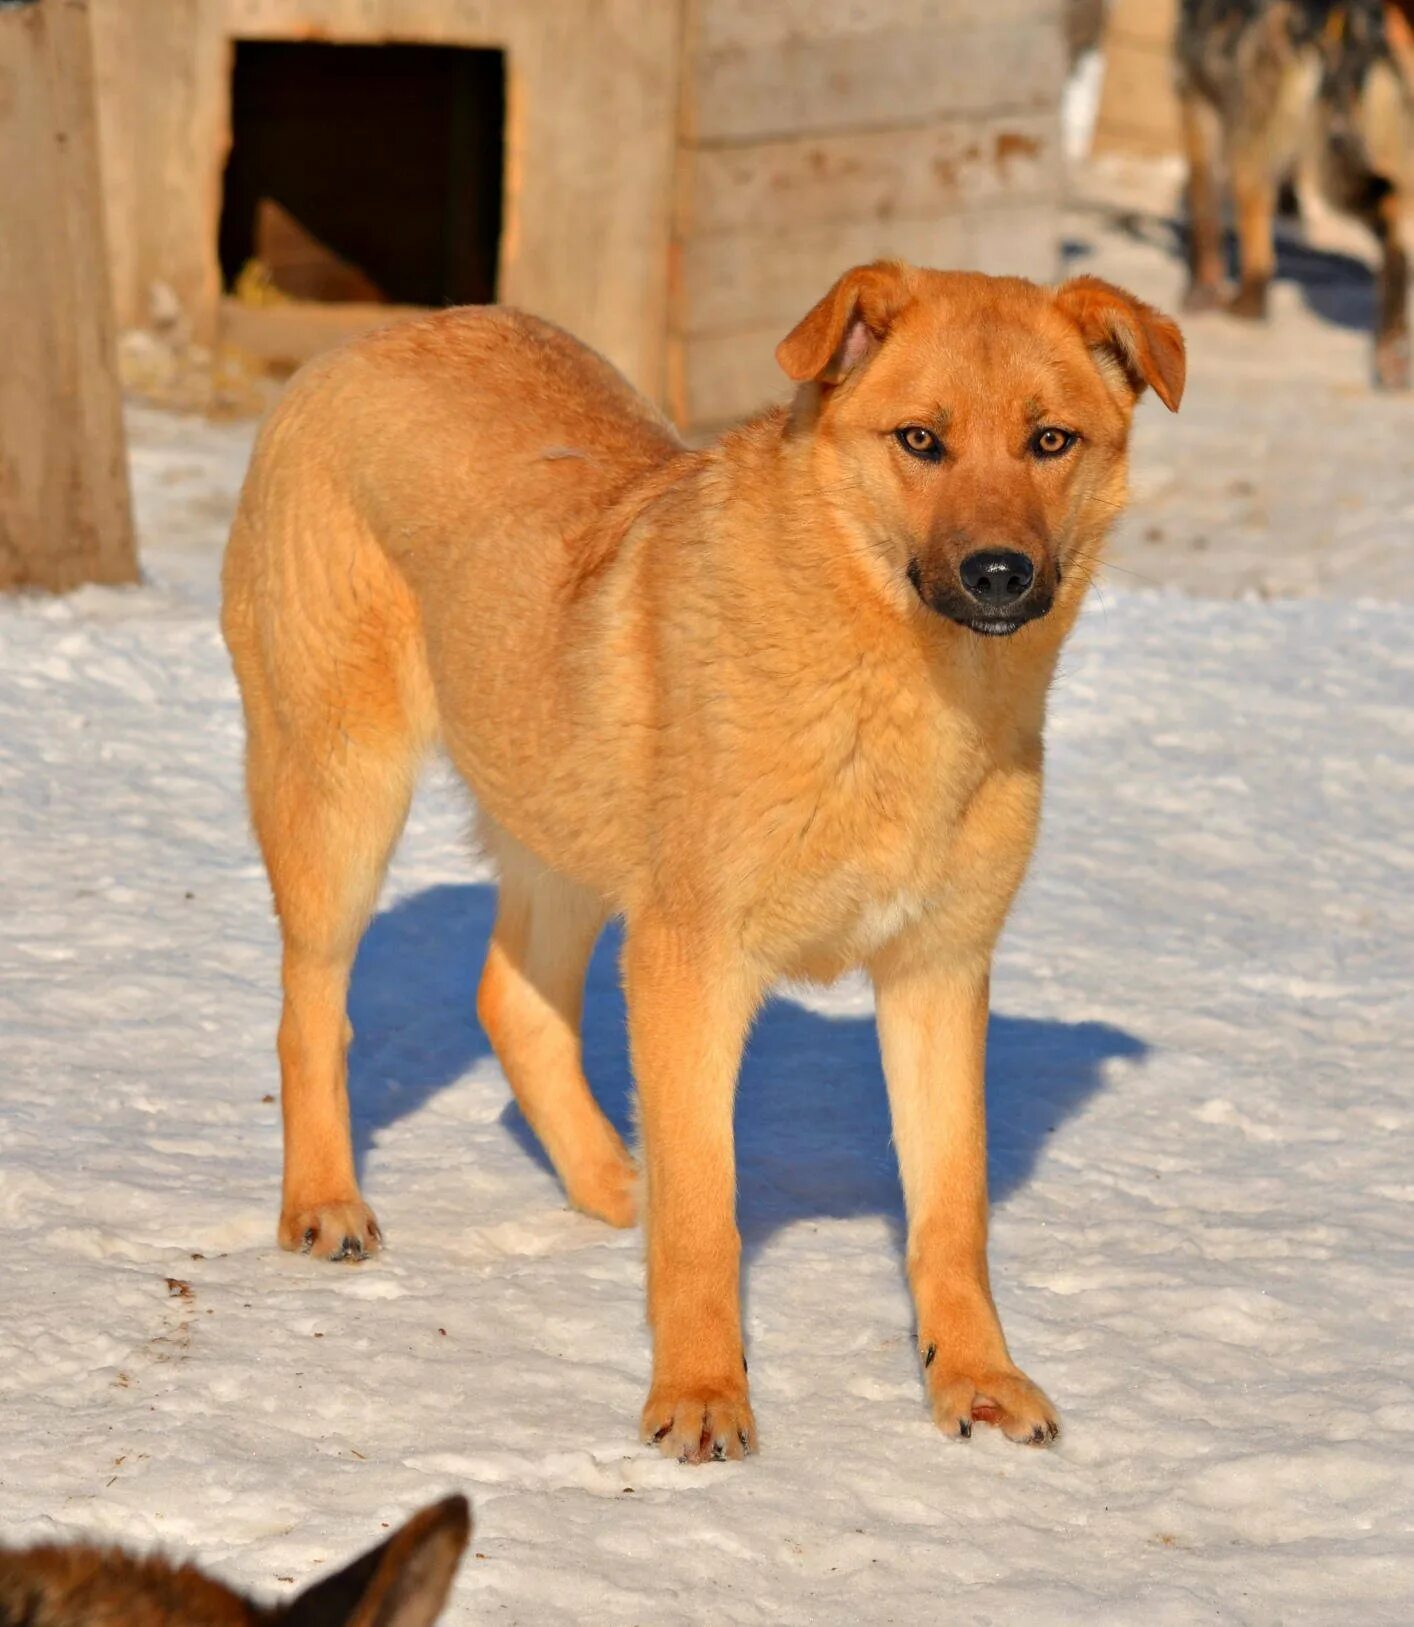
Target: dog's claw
[(714, 1429), (343, 1230), (1004, 1398)]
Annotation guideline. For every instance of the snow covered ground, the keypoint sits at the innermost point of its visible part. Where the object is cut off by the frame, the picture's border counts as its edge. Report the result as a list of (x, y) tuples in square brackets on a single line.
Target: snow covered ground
[(1201, 1161)]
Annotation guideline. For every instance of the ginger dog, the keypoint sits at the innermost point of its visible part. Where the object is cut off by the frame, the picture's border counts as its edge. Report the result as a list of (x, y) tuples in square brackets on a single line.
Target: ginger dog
[(777, 703), (404, 1582)]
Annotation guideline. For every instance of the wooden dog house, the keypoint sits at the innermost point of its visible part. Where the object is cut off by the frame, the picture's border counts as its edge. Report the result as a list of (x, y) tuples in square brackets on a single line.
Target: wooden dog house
[(673, 180)]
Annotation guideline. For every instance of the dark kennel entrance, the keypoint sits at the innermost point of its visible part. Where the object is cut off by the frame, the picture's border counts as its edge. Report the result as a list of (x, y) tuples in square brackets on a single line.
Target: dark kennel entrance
[(365, 172)]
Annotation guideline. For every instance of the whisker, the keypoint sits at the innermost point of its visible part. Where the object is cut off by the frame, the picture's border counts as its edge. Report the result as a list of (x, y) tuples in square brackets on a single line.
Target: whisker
[(1109, 565)]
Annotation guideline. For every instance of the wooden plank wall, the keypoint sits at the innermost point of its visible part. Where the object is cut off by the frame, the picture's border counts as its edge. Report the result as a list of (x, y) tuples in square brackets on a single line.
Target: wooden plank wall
[(64, 511), (684, 177), (820, 133)]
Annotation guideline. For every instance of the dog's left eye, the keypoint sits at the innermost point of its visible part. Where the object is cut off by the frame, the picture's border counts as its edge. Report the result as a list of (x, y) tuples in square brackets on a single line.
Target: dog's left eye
[(919, 442), (1051, 442)]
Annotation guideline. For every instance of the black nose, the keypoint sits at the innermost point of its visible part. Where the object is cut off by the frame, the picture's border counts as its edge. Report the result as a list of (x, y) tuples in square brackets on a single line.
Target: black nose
[(997, 577)]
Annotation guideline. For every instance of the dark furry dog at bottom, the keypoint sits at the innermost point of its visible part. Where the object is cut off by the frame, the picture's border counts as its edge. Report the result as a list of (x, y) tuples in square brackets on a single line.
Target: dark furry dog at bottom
[(1276, 88), (403, 1582)]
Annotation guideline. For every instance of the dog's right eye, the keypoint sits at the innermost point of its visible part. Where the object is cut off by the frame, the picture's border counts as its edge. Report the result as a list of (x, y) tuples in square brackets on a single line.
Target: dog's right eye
[(919, 442)]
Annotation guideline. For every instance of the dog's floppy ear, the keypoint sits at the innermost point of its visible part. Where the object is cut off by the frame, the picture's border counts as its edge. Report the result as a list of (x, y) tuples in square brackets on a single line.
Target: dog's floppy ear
[(1144, 343), (403, 1582), (846, 327)]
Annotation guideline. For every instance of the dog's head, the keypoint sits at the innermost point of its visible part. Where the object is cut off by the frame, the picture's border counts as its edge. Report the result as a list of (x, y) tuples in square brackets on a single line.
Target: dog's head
[(403, 1582), (972, 431)]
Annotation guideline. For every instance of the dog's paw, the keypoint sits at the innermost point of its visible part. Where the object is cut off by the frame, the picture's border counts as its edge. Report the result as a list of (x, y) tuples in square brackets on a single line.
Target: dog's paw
[(332, 1231), (1249, 302), (1392, 362), (1203, 296), (610, 1192), (1005, 1398), (699, 1423)]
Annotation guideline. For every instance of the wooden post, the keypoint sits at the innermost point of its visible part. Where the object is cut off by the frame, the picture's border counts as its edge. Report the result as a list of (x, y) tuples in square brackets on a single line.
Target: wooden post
[(65, 516), (1138, 113)]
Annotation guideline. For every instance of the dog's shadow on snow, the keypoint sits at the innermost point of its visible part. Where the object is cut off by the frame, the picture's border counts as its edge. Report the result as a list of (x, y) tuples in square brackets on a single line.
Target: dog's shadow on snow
[(813, 1137)]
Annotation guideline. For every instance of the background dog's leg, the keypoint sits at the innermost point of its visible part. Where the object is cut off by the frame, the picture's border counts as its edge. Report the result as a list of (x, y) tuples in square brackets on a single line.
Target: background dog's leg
[(529, 1003), (1254, 191), (1372, 175), (1381, 212), (1202, 137), (1392, 359), (1265, 131), (687, 1022), (932, 1035)]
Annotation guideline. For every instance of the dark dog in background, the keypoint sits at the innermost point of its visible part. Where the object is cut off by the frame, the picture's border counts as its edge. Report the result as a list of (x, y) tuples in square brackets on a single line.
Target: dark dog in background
[(403, 1582), (1273, 88)]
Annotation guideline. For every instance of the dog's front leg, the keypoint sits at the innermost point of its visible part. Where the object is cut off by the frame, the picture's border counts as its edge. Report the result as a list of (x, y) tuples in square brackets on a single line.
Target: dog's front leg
[(933, 1036), (688, 1014)]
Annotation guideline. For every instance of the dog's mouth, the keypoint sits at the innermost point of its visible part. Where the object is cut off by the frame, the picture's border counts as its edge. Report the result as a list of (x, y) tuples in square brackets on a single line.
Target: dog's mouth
[(994, 626), (952, 603)]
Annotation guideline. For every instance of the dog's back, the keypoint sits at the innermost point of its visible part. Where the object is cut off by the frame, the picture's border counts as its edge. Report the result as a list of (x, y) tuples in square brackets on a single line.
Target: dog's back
[(1284, 72), (403, 1582), (1213, 35), (433, 491)]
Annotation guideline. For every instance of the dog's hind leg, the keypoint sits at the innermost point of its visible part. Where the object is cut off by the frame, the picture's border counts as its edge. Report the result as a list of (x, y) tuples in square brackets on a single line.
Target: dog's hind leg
[(530, 1003), (1202, 137), (1254, 191), (1275, 93), (1383, 214), (1373, 177), (338, 713)]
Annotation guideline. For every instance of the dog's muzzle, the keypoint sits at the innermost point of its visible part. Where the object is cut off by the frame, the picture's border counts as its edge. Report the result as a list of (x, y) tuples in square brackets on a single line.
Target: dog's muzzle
[(995, 592)]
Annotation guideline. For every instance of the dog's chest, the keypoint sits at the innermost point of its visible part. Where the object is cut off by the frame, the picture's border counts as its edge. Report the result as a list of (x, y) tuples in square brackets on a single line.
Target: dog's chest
[(907, 817), (847, 917), (881, 920), (875, 869)]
